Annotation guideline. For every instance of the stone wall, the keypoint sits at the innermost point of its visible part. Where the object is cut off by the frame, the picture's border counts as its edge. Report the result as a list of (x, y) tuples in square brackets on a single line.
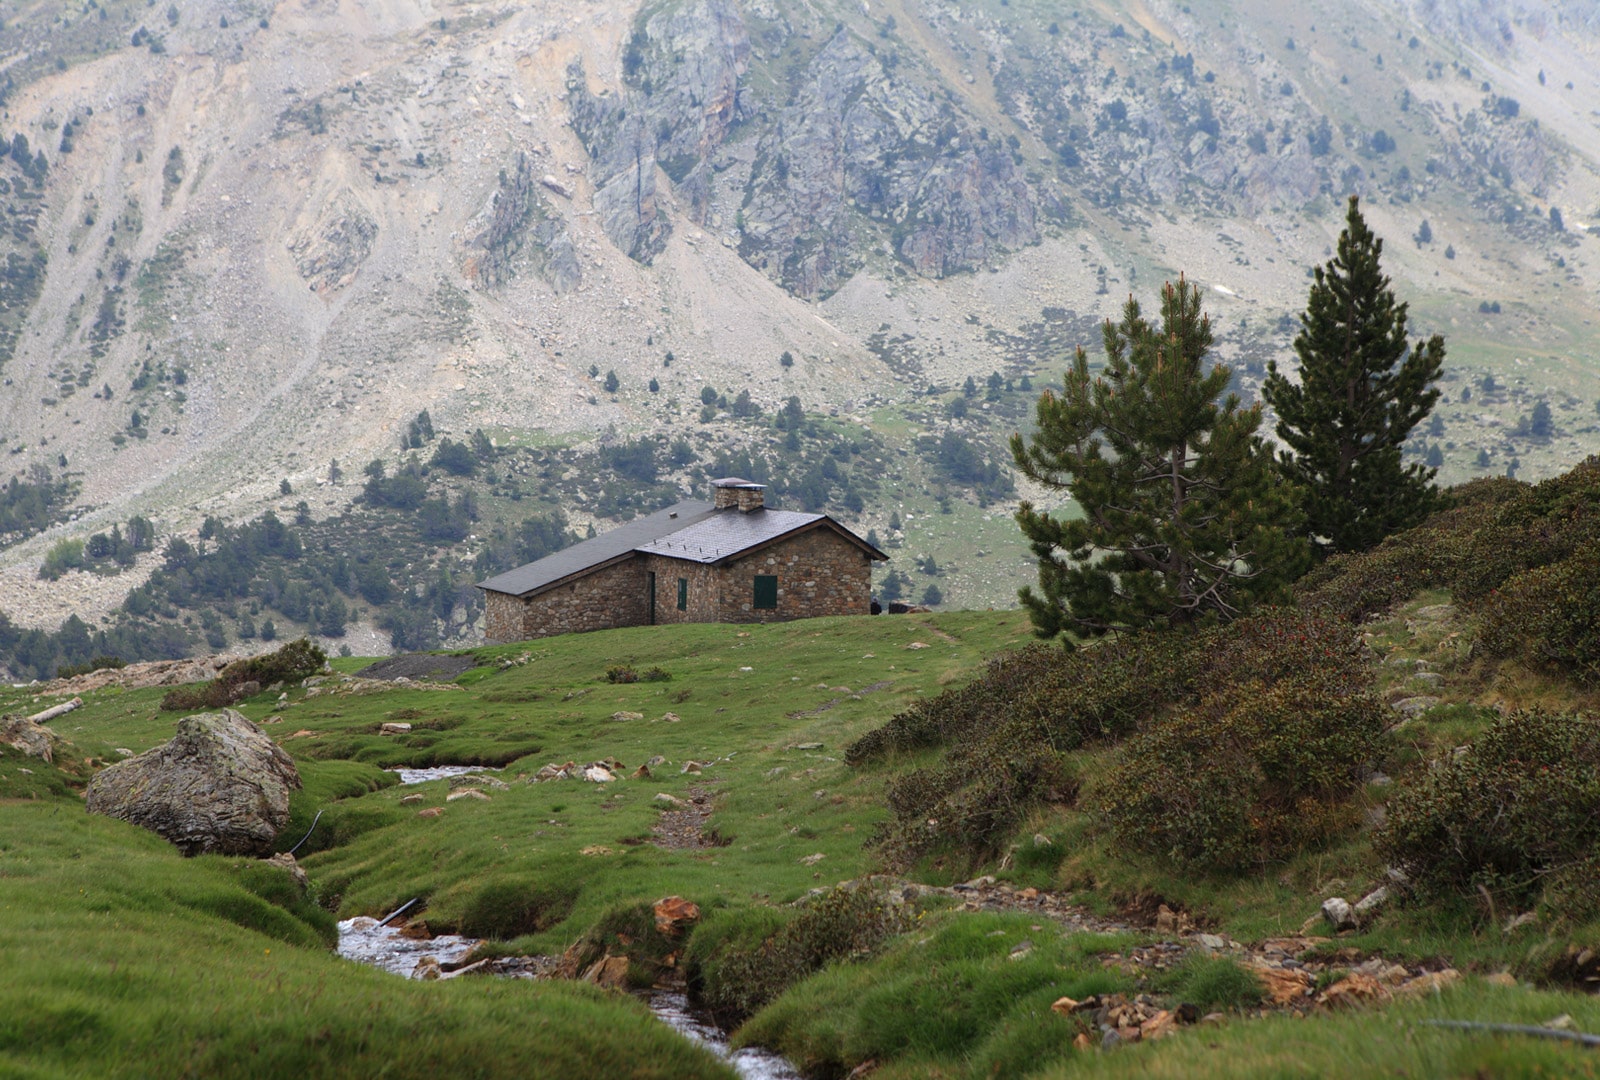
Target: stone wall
[(705, 590), (819, 573), (615, 596)]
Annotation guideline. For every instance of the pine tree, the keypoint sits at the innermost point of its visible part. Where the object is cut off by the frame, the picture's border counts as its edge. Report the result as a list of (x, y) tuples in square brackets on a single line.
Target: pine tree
[(1358, 397), (1183, 518)]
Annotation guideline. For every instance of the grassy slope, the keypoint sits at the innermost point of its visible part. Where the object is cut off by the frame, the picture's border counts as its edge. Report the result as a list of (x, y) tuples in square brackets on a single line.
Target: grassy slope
[(119, 957), (171, 929)]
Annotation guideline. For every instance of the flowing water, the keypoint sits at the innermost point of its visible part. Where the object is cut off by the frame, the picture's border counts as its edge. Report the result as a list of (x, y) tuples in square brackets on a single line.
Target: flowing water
[(438, 772), (364, 941)]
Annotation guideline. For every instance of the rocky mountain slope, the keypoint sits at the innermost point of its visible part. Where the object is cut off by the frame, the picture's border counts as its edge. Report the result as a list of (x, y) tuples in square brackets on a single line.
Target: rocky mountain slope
[(245, 240)]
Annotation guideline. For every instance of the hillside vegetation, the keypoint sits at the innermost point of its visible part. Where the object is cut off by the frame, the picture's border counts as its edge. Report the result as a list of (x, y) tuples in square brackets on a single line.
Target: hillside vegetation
[(1159, 815)]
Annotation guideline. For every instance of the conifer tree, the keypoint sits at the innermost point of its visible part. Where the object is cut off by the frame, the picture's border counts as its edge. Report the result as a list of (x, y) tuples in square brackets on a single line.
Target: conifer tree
[(1183, 520), (1358, 397)]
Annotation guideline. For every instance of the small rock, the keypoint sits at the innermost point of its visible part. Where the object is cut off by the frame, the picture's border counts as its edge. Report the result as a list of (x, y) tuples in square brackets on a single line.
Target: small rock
[(808, 746), (431, 812), (624, 715), (414, 797), (1501, 978), (608, 971), (670, 800), (1559, 1023), (598, 774), (1041, 840), (812, 860), (466, 793), (1110, 1040), (1339, 913), (1065, 1006), (773, 774), (657, 761), (1369, 904), (693, 767), (1284, 986), (1211, 941), (1082, 1041), (1021, 949), (673, 913), (641, 773), (394, 729), (671, 717), (594, 849), (1353, 989), (1517, 922), (479, 780), (123, 751), (1415, 706), (1431, 983), (918, 645), (427, 969)]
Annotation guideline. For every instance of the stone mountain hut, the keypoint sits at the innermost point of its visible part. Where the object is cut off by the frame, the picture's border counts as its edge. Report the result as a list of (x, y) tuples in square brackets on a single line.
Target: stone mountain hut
[(731, 560)]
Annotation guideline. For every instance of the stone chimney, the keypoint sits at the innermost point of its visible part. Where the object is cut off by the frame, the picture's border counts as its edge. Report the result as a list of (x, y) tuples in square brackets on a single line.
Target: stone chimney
[(731, 492)]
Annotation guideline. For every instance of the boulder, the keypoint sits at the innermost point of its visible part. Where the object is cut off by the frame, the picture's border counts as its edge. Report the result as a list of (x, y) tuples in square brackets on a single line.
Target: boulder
[(34, 740), (220, 786)]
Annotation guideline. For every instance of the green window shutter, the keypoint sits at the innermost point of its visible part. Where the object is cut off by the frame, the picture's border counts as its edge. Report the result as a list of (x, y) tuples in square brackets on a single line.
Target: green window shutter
[(766, 591), (683, 594)]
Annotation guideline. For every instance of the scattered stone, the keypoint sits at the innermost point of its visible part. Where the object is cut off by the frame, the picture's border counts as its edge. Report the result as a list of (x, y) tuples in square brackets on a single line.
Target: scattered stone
[(624, 715), (427, 969), (1339, 913), (553, 772), (479, 780), (671, 717), (595, 849), (414, 797), (394, 729), (1284, 986), (286, 862), (1041, 840), (466, 793), (431, 812), (641, 773), (1065, 1006), (1517, 922), (1369, 905), (220, 786), (1501, 978), (1213, 942), (1431, 983), (123, 751), (917, 645), (1082, 1041), (670, 800), (1559, 1023), (1415, 706), (608, 971), (674, 913), (598, 774), (812, 860), (1353, 989), (774, 773), (808, 746), (694, 766), (1021, 949)]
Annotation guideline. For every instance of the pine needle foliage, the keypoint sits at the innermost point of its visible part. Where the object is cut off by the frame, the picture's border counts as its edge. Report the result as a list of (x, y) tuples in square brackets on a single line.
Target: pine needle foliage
[(1363, 387), (1184, 520)]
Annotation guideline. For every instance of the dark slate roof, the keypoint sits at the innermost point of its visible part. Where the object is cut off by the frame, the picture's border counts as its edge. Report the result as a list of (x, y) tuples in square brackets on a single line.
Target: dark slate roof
[(609, 545), (714, 538)]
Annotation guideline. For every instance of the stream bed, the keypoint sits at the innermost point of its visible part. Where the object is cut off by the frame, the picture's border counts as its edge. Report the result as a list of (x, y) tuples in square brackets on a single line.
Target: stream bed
[(437, 772), (366, 942)]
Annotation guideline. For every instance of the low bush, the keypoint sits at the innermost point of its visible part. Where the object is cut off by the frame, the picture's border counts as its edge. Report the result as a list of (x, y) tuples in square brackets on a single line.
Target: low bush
[(1512, 816), (1548, 617), (242, 678), (1005, 735), (621, 673), (1249, 776), (99, 663), (738, 962)]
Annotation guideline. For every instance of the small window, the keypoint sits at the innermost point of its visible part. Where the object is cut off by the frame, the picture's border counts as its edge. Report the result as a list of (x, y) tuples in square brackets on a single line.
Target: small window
[(683, 594), (766, 591)]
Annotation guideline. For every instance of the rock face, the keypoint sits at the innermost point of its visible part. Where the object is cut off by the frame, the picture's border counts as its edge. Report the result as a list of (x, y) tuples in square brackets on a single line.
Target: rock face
[(220, 786)]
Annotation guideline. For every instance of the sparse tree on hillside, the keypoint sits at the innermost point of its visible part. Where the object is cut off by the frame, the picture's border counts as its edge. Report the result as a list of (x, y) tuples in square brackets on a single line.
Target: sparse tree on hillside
[(1358, 397), (1183, 518)]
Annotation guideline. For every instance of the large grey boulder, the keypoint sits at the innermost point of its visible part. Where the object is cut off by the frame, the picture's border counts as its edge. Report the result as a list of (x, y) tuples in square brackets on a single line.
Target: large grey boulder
[(220, 786)]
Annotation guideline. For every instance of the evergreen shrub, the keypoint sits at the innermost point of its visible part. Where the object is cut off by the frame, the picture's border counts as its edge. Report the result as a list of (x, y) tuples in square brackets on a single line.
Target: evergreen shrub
[(1513, 816)]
